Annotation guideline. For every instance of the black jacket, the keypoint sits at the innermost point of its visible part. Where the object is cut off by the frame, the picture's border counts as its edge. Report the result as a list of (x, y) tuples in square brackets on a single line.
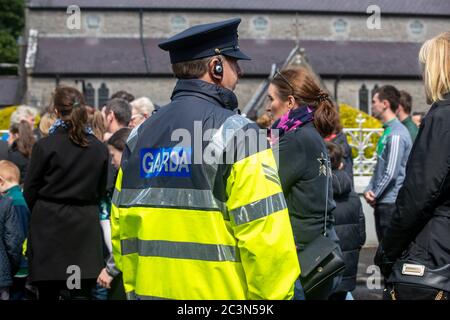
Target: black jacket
[(11, 239), (3, 150), (62, 190), (341, 139), (304, 185), (420, 229), (350, 227), (19, 159)]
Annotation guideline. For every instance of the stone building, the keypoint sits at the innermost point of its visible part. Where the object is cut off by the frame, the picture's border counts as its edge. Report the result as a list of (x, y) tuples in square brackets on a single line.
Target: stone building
[(115, 46)]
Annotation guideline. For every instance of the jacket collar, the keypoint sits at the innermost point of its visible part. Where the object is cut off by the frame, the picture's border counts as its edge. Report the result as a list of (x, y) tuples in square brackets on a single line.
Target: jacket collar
[(445, 102), (202, 89)]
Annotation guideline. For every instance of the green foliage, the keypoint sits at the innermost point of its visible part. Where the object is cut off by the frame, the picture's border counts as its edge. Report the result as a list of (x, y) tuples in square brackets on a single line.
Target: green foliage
[(12, 14), (12, 21), (8, 48), (348, 116)]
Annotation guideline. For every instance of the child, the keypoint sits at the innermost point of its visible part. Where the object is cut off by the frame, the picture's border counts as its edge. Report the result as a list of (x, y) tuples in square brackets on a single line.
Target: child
[(349, 221), (9, 186), (11, 239)]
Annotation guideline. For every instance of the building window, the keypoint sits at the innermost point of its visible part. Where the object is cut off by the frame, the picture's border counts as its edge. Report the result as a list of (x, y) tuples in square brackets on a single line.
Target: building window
[(178, 23), (103, 95), (93, 21), (364, 99), (89, 94), (260, 24), (416, 27), (340, 26)]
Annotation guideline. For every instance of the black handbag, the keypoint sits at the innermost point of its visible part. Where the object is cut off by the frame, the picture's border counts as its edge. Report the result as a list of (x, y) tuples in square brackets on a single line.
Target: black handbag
[(413, 273), (321, 259)]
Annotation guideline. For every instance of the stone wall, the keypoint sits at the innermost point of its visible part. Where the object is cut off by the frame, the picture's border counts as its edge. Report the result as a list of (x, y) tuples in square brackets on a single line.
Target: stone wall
[(348, 90), (272, 26), (157, 89), (160, 89)]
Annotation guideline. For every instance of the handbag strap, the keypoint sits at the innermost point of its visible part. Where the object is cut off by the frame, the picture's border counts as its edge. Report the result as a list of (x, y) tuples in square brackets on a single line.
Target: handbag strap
[(327, 164)]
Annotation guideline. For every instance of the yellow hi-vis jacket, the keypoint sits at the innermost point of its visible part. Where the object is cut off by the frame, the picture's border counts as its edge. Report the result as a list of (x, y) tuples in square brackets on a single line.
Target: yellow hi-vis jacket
[(188, 230)]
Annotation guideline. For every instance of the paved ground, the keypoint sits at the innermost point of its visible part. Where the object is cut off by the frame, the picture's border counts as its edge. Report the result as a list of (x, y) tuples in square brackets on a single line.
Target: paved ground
[(368, 278)]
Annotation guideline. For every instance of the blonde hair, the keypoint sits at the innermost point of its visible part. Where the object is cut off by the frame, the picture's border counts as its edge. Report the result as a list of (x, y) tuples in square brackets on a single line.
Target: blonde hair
[(435, 56), (46, 122), (9, 171), (97, 124)]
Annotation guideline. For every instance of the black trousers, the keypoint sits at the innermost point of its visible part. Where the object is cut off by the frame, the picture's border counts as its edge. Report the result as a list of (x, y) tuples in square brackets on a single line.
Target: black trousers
[(117, 291), (403, 291), (383, 213), (56, 290)]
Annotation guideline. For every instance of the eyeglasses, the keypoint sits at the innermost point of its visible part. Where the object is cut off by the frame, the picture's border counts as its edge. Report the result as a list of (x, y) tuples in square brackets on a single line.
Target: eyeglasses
[(278, 73), (136, 116)]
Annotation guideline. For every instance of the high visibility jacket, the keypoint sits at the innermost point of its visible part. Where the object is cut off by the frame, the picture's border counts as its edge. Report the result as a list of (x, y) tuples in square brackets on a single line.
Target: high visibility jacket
[(198, 212)]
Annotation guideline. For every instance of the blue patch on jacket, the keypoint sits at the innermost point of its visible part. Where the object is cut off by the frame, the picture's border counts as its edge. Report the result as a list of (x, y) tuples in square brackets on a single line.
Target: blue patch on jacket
[(160, 162)]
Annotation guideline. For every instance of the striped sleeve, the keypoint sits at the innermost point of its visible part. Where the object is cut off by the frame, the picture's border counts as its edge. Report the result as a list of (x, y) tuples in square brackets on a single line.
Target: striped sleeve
[(392, 166)]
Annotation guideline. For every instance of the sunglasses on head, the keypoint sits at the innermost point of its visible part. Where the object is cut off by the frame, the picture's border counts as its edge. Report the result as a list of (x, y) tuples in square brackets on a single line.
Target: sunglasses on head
[(278, 73)]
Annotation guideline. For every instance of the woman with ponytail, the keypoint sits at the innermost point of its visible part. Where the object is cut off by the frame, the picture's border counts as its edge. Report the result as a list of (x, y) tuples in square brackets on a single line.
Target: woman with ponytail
[(21, 141), (66, 179), (304, 114)]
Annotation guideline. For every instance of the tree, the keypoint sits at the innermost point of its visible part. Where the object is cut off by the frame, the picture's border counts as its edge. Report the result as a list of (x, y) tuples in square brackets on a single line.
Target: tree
[(12, 14)]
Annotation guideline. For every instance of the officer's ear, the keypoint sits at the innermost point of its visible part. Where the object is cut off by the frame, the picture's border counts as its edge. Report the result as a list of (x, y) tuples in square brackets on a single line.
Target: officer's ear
[(215, 69)]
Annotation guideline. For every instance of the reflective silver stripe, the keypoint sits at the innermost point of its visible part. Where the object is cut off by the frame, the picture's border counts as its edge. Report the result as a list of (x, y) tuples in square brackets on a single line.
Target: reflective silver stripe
[(225, 133), (271, 174), (180, 250), (132, 138), (258, 209), (133, 296), (219, 142), (168, 197), (115, 197)]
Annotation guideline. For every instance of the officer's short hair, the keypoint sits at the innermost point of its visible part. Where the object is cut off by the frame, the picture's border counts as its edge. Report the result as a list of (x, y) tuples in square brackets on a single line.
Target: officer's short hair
[(406, 101), (121, 109), (191, 69)]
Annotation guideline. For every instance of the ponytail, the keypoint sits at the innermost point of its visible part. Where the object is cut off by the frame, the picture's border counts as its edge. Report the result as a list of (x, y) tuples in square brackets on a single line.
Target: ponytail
[(69, 103), (326, 117), (77, 131)]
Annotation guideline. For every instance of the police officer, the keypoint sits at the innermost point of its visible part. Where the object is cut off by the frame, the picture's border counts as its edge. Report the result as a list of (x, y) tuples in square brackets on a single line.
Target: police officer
[(198, 212)]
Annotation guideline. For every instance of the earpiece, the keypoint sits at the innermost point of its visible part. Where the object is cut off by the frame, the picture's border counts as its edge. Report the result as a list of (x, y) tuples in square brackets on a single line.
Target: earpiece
[(218, 68)]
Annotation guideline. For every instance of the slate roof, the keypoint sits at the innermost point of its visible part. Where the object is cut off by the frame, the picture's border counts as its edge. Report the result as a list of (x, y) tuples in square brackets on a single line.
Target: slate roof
[(124, 57), (9, 90)]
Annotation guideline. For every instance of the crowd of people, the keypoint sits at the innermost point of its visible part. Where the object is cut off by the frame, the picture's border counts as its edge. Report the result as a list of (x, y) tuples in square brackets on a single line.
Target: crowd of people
[(40, 172), (107, 190)]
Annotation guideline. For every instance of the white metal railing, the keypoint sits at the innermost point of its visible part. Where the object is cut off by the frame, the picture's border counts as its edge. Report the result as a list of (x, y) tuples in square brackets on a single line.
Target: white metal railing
[(360, 139)]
